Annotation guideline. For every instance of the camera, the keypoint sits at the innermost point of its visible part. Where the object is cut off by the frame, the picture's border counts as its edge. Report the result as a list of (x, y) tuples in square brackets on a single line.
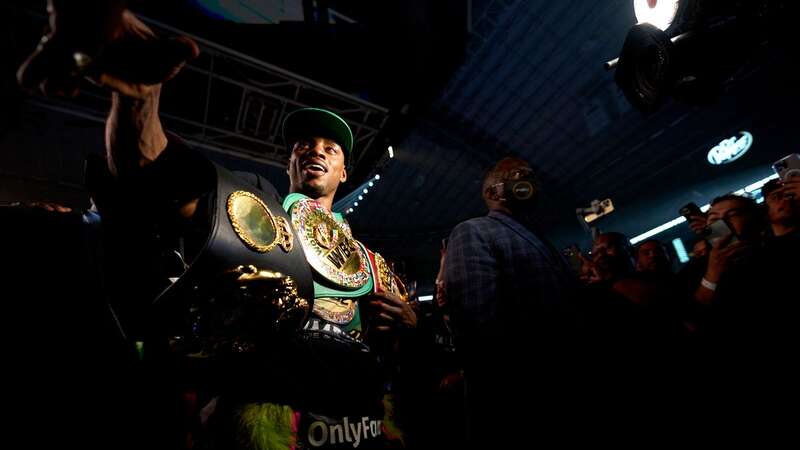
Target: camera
[(788, 167), (596, 210)]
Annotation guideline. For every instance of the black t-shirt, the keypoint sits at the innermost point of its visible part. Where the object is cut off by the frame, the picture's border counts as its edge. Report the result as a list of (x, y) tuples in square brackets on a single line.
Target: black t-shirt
[(146, 240)]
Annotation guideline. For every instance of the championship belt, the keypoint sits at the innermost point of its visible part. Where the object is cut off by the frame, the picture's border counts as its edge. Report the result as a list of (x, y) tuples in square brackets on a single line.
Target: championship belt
[(249, 282), (338, 260), (385, 279), (341, 271)]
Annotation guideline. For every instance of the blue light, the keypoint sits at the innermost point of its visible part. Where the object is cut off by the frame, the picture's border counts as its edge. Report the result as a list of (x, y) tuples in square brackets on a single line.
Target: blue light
[(680, 250), (679, 220)]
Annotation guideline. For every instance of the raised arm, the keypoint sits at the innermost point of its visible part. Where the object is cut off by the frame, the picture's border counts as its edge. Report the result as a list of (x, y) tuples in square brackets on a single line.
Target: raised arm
[(106, 43)]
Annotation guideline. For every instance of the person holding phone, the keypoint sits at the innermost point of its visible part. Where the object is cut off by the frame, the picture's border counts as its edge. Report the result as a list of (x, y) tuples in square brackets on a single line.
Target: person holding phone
[(694, 217), (739, 222)]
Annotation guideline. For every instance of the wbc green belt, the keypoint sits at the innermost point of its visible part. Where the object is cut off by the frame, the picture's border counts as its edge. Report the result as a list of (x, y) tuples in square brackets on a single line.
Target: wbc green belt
[(340, 263)]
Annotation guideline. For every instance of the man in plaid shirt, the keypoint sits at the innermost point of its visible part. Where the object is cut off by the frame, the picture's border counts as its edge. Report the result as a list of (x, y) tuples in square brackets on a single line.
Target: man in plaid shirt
[(509, 288)]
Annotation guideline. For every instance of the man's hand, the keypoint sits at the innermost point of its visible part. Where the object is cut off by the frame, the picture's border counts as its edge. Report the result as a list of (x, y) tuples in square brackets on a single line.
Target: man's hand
[(390, 312), (791, 189), (698, 224), (723, 254), (105, 42)]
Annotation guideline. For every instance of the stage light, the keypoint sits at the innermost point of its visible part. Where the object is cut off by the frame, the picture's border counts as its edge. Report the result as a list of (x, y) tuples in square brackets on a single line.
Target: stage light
[(371, 184), (355, 204), (391, 152), (690, 50), (377, 177), (360, 197), (660, 13)]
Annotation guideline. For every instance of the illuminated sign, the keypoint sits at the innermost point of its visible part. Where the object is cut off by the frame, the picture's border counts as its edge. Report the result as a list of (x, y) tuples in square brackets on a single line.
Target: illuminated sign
[(731, 149)]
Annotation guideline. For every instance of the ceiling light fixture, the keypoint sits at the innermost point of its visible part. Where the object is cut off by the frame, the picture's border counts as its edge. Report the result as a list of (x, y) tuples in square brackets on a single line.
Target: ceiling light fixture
[(660, 13)]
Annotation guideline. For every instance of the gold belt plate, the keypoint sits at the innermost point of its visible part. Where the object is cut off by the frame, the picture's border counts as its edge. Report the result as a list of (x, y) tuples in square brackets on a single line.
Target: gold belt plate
[(335, 310), (329, 248), (256, 226)]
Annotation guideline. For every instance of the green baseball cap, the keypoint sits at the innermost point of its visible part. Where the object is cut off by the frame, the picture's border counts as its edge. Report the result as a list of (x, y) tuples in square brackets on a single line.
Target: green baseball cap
[(317, 122)]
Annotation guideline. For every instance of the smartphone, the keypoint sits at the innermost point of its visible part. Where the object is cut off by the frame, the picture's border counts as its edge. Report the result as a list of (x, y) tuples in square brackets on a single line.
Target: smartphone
[(788, 167), (719, 229), (690, 209)]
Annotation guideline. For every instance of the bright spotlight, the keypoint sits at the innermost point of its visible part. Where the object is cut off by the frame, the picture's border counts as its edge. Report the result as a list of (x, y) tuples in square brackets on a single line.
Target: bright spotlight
[(659, 13)]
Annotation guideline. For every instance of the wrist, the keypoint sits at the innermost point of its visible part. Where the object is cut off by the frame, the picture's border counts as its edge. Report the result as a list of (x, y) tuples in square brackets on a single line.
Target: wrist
[(710, 285), (712, 276)]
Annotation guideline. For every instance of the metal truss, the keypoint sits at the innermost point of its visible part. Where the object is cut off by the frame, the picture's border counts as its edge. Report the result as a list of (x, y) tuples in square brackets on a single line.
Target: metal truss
[(234, 104)]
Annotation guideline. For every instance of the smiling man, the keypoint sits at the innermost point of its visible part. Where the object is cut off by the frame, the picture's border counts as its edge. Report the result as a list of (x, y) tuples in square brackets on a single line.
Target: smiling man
[(317, 165)]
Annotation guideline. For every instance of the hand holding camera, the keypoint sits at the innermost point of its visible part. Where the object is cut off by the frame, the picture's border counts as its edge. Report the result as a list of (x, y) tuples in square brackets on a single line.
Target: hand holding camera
[(788, 168), (103, 41), (791, 188), (788, 171)]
